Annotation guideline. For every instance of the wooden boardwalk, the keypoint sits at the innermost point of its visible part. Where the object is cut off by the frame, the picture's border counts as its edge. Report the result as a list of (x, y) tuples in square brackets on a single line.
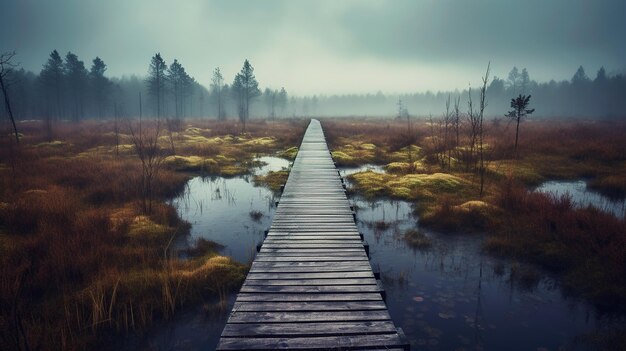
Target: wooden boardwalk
[(311, 286)]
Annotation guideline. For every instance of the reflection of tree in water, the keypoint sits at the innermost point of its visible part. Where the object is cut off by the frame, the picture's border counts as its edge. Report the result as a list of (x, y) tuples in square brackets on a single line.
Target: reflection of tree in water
[(478, 315), (384, 216)]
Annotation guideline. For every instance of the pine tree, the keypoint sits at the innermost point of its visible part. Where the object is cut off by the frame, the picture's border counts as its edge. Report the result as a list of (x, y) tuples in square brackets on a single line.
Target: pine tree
[(179, 82), (100, 85), (156, 82), (520, 110), (246, 89), (217, 90), (51, 78), (76, 77)]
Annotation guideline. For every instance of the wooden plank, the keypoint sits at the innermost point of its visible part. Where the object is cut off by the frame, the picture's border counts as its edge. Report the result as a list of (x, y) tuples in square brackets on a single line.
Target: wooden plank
[(314, 265), (347, 342), (314, 275), (311, 289), (269, 258), (309, 306), (326, 248), (289, 297), (308, 329), (304, 316), (309, 282)]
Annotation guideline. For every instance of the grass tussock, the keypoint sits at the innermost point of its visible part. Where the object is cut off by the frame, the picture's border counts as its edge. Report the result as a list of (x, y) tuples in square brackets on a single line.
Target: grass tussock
[(272, 180)]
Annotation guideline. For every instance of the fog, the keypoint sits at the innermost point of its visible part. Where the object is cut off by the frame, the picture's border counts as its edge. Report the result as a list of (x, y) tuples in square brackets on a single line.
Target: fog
[(334, 57)]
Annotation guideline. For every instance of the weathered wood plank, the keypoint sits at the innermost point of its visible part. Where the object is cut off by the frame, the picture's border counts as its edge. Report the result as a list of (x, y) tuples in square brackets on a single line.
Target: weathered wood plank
[(311, 289), (269, 258), (308, 329), (311, 306), (314, 275), (347, 342), (304, 316), (310, 282), (290, 297)]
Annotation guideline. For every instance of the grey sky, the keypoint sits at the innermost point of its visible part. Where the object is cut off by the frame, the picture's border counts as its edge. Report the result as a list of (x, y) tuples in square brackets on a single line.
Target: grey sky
[(327, 46)]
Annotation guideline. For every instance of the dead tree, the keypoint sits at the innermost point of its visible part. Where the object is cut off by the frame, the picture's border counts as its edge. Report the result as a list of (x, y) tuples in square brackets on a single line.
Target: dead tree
[(146, 142), (457, 123), (481, 129), (447, 123), (472, 120), (6, 66)]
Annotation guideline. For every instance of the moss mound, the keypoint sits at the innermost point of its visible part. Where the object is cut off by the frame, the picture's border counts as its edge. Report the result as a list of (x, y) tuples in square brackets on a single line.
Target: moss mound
[(190, 163), (272, 180), (289, 154)]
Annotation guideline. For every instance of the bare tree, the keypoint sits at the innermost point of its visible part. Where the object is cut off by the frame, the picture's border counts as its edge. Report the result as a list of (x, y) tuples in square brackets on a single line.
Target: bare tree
[(457, 122), (6, 67), (473, 123), (520, 110), (481, 129), (146, 142), (448, 121)]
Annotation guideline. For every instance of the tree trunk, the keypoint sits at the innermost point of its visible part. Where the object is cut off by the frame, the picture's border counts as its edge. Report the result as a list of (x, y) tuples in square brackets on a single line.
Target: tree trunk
[(7, 103), (517, 135)]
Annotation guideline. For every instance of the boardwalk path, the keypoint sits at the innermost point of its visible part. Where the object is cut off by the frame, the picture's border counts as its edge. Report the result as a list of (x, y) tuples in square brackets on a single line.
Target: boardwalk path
[(311, 286)]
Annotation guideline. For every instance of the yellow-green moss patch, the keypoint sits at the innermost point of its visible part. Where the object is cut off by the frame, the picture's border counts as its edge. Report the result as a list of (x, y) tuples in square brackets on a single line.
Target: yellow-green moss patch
[(190, 163), (290, 153), (143, 228), (232, 170), (272, 180)]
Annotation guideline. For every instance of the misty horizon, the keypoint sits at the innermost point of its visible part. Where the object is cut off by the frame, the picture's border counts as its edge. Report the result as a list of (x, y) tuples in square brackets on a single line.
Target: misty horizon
[(328, 48)]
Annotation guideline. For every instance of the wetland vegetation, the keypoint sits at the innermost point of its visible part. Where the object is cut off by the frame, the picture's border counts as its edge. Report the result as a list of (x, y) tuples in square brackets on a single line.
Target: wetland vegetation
[(81, 256)]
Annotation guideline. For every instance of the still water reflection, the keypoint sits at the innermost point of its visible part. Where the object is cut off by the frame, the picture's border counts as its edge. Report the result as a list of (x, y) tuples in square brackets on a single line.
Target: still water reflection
[(230, 211), (583, 197), (451, 296)]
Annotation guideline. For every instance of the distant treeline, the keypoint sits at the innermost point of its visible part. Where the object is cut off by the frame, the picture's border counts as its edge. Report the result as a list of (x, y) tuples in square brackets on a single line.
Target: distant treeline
[(66, 89), (581, 96)]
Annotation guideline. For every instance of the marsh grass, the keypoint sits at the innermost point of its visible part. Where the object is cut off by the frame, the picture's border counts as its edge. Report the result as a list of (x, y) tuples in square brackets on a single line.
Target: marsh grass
[(585, 245), (78, 257)]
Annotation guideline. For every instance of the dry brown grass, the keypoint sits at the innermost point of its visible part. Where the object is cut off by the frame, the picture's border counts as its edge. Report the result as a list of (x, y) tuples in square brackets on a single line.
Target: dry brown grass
[(588, 246), (78, 256)]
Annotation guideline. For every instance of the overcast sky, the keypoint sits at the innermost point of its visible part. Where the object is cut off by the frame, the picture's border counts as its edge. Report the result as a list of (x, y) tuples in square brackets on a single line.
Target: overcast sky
[(327, 46)]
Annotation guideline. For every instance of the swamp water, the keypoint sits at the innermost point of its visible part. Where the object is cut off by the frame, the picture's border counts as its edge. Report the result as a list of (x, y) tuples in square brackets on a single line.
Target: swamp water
[(233, 213), (450, 296), (582, 196)]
